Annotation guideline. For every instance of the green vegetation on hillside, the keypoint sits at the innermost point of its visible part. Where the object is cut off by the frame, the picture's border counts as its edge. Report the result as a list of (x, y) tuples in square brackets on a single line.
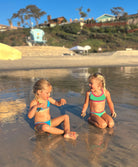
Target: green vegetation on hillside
[(69, 35)]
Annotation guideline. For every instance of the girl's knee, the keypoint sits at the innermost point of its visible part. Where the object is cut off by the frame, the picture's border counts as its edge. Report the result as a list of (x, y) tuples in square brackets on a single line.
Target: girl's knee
[(111, 124), (45, 128), (99, 124), (103, 125), (66, 117)]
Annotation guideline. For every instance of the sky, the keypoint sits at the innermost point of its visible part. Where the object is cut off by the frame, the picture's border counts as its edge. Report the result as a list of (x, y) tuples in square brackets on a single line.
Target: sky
[(66, 8)]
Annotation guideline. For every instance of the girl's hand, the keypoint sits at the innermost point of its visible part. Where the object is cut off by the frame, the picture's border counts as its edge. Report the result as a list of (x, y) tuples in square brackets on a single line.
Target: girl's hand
[(114, 115), (41, 105), (83, 114), (62, 102)]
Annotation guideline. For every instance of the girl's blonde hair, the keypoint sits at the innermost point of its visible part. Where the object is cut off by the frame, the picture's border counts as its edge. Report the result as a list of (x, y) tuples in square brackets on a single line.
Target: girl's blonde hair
[(39, 85), (99, 77)]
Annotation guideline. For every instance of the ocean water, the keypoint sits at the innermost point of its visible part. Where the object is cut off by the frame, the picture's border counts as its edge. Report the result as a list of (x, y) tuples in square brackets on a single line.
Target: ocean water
[(20, 146)]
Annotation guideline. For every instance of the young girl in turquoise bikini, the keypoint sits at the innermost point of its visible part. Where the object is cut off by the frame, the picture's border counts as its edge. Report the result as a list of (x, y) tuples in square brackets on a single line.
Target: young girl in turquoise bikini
[(96, 97), (40, 110)]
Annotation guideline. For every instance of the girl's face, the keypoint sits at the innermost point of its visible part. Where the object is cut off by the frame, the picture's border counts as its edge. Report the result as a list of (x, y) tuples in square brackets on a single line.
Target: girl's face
[(45, 93), (94, 84)]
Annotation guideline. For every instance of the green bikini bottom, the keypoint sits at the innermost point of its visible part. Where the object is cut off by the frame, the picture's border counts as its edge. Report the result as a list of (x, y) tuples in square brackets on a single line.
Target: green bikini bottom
[(98, 113)]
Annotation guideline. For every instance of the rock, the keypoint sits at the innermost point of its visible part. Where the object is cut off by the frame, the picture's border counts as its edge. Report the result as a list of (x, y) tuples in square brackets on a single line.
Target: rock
[(9, 53)]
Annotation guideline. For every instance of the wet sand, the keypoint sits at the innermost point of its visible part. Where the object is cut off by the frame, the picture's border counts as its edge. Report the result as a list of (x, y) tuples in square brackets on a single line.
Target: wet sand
[(42, 57), (21, 146)]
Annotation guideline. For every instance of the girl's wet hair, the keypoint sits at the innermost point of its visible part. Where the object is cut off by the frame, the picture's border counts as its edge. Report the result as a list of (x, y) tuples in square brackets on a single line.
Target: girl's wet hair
[(99, 76), (40, 84)]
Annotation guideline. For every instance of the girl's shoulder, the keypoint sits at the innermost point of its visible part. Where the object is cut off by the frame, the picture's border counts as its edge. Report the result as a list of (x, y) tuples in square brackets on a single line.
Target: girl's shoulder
[(88, 92), (106, 92), (34, 102), (51, 100)]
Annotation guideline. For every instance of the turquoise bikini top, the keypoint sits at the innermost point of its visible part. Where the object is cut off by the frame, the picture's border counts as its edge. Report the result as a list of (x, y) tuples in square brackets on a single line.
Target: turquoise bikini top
[(96, 98), (41, 109)]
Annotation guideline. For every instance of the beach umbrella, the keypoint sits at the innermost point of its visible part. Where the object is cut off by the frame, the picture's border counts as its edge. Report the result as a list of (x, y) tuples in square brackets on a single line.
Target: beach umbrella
[(87, 47), (77, 48)]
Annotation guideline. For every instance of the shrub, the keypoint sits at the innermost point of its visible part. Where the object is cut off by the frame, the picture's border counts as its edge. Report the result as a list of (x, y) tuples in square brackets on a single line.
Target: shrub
[(94, 29), (72, 28), (85, 31), (66, 36)]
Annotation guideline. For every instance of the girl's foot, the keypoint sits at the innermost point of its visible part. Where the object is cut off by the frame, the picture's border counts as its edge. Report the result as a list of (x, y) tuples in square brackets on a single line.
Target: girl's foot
[(71, 135)]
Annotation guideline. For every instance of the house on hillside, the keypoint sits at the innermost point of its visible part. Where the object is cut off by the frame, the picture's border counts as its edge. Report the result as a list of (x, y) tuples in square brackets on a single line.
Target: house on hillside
[(55, 21), (105, 18), (6, 28), (3, 27), (133, 15), (132, 19)]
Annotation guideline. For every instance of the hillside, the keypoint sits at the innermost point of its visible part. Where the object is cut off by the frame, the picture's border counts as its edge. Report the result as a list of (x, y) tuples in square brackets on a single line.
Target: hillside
[(108, 38)]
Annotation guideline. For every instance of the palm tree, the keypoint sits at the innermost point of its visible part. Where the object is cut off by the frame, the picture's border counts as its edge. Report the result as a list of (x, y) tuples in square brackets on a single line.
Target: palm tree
[(83, 14), (10, 22), (88, 10), (80, 10)]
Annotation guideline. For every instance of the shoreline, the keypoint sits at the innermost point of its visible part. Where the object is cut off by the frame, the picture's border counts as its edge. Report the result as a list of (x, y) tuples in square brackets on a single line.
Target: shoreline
[(47, 57)]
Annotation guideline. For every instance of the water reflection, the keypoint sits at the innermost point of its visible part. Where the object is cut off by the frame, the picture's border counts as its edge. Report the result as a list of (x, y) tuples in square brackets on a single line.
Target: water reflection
[(10, 109), (50, 149), (45, 146), (80, 73), (96, 141)]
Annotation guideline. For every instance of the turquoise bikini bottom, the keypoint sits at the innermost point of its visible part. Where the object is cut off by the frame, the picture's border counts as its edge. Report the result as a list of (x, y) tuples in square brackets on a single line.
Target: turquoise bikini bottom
[(42, 123), (98, 113)]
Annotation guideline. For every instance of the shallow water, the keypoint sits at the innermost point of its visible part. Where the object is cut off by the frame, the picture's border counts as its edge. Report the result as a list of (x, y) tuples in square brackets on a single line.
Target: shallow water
[(19, 144)]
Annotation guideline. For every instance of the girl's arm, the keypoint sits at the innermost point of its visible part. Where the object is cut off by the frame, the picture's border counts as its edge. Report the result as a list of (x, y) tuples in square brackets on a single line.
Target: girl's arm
[(57, 103), (32, 110), (110, 104), (85, 105)]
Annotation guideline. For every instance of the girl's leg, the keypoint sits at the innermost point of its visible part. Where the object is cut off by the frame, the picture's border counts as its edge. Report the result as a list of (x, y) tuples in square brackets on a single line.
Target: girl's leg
[(97, 121), (108, 119), (52, 130), (57, 121), (65, 119)]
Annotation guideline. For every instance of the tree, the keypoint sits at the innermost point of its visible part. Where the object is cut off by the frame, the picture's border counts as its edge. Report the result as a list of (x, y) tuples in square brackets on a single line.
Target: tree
[(88, 10), (27, 17), (10, 22), (31, 11), (19, 23), (35, 12), (21, 13), (118, 11), (82, 13)]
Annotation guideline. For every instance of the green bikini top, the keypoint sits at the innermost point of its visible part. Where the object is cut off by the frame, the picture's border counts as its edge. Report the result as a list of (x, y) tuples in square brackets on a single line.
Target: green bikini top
[(96, 98)]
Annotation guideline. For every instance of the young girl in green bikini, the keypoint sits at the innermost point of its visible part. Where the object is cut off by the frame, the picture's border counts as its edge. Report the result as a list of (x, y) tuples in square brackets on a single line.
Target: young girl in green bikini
[(39, 109), (96, 97)]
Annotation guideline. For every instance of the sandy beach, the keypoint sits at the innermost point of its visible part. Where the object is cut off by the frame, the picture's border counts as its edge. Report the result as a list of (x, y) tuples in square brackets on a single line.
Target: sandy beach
[(42, 57)]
